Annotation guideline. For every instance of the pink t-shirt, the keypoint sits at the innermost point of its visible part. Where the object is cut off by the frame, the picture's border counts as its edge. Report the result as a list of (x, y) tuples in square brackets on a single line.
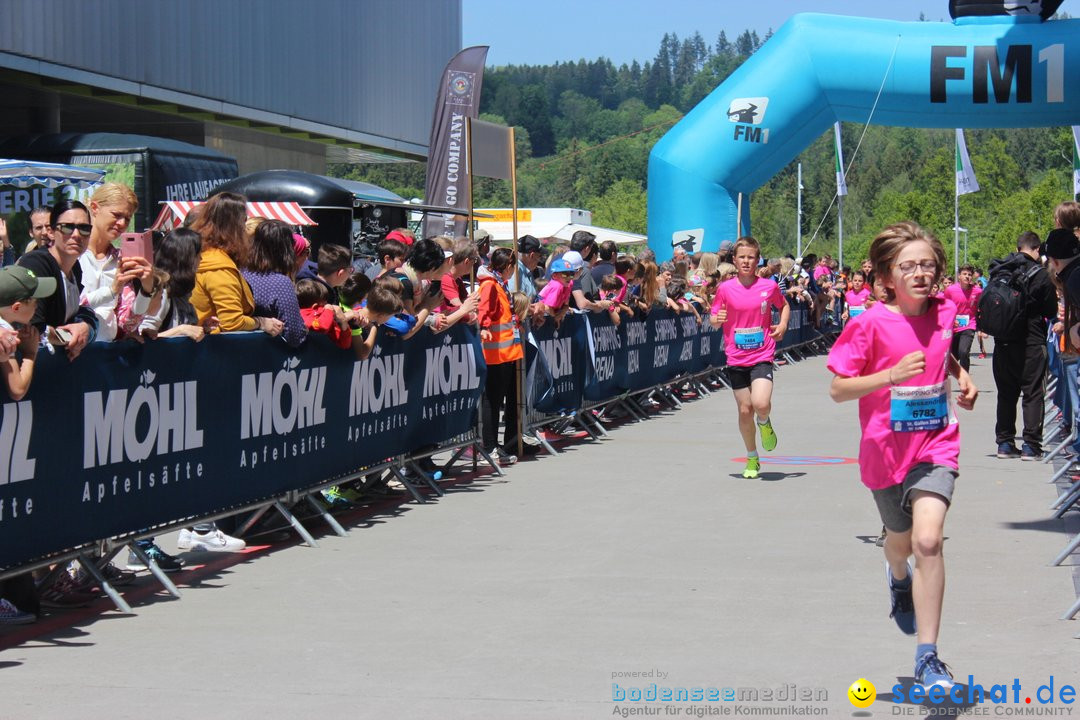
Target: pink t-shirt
[(966, 302), (856, 301), (555, 294), (749, 317), (913, 422), (615, 295)]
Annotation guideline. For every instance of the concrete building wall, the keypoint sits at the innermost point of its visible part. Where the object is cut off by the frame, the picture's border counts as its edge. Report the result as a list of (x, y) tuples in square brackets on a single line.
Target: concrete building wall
[(369, 68)]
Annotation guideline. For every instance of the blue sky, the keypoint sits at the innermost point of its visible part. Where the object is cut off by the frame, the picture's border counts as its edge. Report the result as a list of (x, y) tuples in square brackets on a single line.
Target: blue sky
[(546, 31)]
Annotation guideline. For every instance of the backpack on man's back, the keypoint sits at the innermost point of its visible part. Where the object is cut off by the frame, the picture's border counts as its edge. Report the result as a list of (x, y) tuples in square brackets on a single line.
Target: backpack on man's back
[(1003, 303)]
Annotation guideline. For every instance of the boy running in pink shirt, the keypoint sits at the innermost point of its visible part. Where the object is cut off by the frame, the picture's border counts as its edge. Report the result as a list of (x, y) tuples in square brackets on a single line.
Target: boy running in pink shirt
[(965, 295), (895, 360), (743, 305)]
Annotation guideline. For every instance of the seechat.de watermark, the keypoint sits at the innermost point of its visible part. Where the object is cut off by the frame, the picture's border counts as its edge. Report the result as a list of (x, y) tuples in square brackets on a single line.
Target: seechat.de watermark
[(972, 698)]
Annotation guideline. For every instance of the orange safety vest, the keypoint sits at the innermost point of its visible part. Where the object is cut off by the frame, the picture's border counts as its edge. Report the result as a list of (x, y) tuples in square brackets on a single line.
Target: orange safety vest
[(497, 316)]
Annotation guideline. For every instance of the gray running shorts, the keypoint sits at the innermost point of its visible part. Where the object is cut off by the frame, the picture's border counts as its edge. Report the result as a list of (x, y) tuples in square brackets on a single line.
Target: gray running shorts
[(894, 503)]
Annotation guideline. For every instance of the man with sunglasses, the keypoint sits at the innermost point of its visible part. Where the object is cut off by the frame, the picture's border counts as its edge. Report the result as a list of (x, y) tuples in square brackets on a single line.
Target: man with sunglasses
[(61, 317)]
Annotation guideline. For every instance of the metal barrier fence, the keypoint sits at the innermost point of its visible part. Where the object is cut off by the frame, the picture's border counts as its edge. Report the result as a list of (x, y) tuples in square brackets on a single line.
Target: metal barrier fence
[(134, 440), (589, 367)]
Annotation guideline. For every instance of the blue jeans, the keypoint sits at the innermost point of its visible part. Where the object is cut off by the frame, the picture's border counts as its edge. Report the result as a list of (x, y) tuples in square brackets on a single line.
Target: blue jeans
[(1070, 376)]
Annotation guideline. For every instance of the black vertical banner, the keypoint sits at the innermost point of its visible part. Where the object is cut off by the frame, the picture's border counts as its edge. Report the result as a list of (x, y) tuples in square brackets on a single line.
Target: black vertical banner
[(447, 178)]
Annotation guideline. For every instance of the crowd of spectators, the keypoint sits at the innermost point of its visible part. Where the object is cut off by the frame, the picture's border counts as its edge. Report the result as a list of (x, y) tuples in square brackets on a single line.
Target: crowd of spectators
[(219, 273), (223, 272)]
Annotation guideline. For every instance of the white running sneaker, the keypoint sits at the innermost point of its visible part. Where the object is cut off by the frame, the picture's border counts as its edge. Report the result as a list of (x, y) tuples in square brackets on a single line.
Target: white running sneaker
[(214, 541)]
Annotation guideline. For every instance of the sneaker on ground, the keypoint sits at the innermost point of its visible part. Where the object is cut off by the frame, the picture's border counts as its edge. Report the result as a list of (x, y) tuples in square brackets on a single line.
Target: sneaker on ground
[(213, 541), (115, 576), (502, 457), (1007, 451), (753, 465), (352, 495), (930, 671), (11, 615), (165, 561), (1028, 452), (528, 450), (903, 606), (64, 594), (333, 497), (880, 542), (768, 435)]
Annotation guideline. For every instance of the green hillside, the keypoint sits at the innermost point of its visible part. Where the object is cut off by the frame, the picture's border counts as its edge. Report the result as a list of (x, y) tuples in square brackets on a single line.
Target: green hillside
[(585, 129)]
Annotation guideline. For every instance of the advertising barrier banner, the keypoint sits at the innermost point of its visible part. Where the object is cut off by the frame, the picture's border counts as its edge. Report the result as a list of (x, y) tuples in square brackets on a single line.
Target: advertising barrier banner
[(133, 435), (566, 352), (130, 435)]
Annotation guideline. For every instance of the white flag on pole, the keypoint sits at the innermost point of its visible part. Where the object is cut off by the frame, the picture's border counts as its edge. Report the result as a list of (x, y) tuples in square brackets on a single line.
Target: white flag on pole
[(965, 174), (841, 183), (1076, 160)]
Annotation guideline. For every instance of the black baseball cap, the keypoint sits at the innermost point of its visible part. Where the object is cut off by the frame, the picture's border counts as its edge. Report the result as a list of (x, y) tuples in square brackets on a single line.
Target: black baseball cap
[(528, 244)]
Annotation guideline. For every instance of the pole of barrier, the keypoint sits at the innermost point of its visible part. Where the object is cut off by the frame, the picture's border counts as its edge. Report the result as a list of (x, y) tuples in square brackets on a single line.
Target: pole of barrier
[(1071, 612), (330, 519), (519, 366), (543, 441), (1067, 551), (252, 519), (152, 566), (1067, 502), (296, 525), (1053, 453), (91, 567), (430, 480), (1058, 475)]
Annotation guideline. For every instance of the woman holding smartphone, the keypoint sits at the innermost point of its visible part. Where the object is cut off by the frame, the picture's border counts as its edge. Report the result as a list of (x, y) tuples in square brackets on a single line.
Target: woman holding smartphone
[(104, 270)]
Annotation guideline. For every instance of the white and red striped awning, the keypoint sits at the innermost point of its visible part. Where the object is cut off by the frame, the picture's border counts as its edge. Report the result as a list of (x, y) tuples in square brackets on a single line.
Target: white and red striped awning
[(173, 213)]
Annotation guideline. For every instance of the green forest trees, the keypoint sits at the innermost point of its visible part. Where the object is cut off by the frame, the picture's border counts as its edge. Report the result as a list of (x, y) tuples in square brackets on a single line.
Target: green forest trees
[(584, 130)]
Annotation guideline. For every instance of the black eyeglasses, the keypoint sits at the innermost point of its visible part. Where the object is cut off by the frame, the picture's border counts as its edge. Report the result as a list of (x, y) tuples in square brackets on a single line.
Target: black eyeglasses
[(69, 228)]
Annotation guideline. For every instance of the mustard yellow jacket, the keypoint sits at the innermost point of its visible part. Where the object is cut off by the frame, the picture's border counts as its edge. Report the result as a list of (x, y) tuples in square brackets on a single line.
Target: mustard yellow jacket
[(220, 290)]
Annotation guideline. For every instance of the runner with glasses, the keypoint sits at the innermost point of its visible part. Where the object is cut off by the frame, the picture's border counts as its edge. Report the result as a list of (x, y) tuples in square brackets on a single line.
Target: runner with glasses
[(895, 360)]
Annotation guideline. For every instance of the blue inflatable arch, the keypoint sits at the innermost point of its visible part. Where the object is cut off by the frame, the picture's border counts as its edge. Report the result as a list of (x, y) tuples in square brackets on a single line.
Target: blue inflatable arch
[(975, 72)]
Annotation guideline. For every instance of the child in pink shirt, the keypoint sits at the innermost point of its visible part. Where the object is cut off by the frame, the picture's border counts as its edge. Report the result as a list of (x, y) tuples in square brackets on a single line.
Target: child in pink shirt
[(895, 360), (743, 306), (856, 296), (554, 298), (965, 295)]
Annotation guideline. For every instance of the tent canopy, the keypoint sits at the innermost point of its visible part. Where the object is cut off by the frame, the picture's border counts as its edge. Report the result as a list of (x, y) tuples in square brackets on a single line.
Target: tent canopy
[(620, 237), (173, 213), (24, 174)]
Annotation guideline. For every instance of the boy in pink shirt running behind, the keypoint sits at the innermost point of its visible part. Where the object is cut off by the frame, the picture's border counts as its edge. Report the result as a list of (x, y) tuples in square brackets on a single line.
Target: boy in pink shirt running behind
[(743, 305), (895, 360), (965, 295)]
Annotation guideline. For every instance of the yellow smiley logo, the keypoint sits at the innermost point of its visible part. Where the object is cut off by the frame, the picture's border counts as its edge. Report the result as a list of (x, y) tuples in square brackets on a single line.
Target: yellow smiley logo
[(862, 693)]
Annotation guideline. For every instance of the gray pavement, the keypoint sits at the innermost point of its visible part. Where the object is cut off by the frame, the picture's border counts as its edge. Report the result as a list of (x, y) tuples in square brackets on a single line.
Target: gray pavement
[(529, 596)]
